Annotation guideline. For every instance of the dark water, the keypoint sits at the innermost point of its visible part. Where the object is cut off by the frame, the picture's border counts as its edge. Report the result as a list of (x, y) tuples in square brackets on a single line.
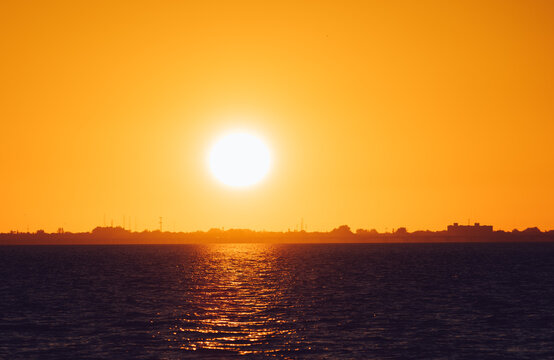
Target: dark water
[(402, 301)]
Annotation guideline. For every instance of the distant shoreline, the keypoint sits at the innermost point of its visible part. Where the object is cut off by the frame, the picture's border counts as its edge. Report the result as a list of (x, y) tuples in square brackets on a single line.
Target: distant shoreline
[(341, 235)]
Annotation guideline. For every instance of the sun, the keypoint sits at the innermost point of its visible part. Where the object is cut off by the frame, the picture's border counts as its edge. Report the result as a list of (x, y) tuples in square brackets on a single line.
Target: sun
[(239, 159)]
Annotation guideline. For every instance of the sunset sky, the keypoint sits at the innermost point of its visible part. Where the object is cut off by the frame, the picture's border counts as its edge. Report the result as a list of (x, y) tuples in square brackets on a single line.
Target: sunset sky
[(378, 114)]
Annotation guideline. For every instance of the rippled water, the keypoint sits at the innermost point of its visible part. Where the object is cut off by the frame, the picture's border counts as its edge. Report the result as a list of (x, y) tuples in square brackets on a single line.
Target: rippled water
[(366, 301)]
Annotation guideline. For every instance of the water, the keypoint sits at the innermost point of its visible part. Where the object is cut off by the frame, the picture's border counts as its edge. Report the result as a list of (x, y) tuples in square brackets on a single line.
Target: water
[(359, 301)]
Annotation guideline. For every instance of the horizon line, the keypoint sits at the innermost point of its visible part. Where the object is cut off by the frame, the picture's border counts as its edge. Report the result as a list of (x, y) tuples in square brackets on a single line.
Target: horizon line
[(342, 228)]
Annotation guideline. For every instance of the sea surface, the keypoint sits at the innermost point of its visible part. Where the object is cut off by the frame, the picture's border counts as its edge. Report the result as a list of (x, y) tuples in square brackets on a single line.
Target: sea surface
[(328, 301)]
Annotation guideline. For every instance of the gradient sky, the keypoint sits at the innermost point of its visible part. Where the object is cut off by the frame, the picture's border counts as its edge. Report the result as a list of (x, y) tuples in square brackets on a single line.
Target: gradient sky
[(379, 114)]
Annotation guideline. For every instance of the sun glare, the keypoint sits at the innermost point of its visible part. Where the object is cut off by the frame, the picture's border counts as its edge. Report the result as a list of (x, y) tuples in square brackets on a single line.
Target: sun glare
[(239, 159)]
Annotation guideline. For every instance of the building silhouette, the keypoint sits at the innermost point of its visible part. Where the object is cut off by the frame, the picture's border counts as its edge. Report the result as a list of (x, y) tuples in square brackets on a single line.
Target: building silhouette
[(476, 228)]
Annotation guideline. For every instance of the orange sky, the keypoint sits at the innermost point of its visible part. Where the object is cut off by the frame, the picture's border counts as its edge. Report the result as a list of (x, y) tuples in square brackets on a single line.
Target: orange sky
[(379, 114)]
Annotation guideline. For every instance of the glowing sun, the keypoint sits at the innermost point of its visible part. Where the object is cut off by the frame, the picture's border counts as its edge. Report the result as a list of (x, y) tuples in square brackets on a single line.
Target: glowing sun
[(239, 159)]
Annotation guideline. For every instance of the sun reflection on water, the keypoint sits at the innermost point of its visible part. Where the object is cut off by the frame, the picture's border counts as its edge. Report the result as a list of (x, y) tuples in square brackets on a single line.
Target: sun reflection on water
[(234, 302)]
